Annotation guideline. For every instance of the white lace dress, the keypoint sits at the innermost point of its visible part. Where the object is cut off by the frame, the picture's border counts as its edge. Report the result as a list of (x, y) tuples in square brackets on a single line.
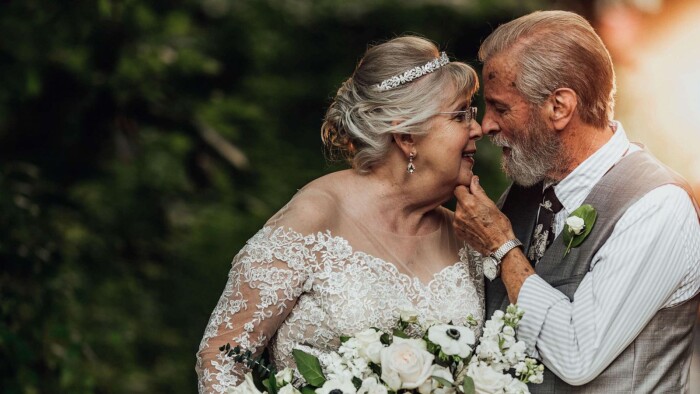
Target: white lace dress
[(294, 284)]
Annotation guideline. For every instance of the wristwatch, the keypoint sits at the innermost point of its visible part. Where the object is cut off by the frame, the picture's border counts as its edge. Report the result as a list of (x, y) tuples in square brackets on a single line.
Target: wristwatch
[(492, 262)]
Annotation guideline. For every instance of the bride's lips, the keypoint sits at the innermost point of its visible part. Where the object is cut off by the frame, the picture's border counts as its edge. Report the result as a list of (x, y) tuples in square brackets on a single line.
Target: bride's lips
[(468, 155)]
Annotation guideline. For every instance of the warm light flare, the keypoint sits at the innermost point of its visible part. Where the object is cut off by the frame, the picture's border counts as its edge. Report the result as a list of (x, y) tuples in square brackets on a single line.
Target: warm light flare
[(657, 58)]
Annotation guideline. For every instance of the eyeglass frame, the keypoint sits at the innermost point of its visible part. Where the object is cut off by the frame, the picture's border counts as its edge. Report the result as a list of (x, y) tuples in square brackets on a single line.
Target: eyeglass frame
[(469, 113)]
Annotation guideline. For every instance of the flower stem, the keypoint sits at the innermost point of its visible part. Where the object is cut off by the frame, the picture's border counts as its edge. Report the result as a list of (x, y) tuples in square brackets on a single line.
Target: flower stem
[(568, 247)]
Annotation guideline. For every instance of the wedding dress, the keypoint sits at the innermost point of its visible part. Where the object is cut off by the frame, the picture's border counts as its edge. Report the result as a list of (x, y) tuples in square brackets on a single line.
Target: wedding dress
[(315, 272)]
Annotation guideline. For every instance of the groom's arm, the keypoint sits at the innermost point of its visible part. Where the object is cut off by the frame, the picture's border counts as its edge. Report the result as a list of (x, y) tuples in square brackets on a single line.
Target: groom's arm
[(651, 261)]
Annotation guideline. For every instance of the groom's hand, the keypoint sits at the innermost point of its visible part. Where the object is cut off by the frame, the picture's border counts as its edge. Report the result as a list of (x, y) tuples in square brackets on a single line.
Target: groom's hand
[(478, 221)]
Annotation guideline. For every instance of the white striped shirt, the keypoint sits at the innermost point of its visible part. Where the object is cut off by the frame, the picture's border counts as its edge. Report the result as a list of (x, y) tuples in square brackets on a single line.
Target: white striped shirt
[(651, 261)]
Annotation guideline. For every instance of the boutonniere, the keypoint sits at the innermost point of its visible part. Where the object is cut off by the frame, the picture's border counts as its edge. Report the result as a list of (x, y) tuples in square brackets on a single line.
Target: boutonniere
[(578, 225)]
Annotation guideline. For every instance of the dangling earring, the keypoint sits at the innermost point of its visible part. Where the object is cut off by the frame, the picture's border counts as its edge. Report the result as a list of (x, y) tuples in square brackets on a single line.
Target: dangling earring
[(411, 168)]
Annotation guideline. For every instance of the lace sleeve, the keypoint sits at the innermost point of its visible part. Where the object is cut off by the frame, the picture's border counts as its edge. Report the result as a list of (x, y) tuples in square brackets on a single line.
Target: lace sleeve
[(266, 278)]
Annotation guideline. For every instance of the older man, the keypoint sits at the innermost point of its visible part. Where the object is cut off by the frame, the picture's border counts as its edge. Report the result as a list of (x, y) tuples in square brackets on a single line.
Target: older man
[(614, 310)]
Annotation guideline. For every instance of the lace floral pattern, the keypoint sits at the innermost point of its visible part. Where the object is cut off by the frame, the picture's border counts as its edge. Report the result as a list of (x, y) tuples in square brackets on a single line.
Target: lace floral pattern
[(295, 290)]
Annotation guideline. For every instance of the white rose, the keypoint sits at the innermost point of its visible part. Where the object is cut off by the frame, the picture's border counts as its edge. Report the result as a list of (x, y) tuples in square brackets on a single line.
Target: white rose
[(487, 380), (575, 224), (344, 385), (284, 376), (369, 344), (288, 389), (406, 364), (372, 386), (517, 387), (434, 386), (247, 387), (453, 340)]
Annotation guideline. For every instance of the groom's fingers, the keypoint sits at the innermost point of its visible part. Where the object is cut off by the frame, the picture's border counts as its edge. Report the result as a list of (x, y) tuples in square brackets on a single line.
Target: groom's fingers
[(476, 189), (462, 193)]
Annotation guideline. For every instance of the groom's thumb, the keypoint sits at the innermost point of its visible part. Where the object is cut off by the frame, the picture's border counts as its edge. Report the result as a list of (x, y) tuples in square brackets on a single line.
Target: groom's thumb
[(475, 187)]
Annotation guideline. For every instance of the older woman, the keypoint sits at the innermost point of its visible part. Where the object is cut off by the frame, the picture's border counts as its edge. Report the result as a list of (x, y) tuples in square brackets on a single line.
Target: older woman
[(355, 247)]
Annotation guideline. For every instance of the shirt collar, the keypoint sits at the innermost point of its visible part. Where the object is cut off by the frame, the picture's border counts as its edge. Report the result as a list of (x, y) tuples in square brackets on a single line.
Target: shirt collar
[(574, 189)]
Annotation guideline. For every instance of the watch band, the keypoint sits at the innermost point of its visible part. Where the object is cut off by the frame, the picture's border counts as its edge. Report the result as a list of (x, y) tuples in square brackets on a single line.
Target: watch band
[(505, 248)]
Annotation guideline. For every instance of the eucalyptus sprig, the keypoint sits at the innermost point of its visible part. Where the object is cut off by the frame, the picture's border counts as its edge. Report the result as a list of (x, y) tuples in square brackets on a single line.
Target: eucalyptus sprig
[(263, 372)]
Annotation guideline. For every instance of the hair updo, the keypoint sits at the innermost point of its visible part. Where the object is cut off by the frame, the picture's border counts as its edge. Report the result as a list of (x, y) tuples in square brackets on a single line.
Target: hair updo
[(360, 121)]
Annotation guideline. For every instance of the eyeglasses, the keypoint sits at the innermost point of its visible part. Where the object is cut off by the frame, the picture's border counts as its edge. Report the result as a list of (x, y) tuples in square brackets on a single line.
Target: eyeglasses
[(469, 114)]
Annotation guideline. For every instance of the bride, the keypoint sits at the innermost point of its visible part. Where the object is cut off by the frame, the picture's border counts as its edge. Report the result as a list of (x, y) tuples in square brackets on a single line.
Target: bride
[(354, 248)]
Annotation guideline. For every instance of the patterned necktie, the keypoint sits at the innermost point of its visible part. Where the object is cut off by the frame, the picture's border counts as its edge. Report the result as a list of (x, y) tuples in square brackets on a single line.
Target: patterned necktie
[(543, 234)]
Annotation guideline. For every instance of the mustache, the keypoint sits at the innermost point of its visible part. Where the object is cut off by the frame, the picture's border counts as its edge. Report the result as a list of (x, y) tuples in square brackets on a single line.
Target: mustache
[(499, 141)]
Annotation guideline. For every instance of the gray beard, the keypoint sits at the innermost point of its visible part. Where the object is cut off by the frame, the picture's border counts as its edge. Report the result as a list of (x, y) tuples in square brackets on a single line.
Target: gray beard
[(533, 154)]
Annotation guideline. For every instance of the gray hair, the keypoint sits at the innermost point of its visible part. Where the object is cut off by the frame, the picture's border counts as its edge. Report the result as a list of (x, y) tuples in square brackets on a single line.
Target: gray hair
[(558, 49), (360, 121)]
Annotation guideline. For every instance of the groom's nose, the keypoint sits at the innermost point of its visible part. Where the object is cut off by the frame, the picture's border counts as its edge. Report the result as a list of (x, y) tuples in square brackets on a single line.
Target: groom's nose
[(488, 125)]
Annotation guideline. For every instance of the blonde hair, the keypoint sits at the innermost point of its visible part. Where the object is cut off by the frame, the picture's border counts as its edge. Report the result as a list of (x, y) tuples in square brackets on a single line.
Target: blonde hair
[(360, 121), (557, 49)]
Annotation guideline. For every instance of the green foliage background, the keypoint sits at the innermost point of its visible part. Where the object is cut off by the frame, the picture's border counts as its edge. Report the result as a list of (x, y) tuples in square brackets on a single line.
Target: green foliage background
[(141, 144)]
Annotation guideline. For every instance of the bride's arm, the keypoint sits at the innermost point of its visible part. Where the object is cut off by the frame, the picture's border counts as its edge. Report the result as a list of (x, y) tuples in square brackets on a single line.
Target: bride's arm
[(265, 279)]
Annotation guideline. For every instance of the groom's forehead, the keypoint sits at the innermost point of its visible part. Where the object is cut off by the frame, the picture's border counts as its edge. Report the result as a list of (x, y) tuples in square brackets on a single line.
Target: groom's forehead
[(500, 72)]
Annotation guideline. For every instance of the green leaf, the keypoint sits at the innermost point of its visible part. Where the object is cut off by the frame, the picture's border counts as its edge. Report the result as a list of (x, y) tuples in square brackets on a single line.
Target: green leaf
[(271, 384), (344, 338), (468, 385), (309, 368), (443, 381), (386, 339), (400, 334), (589, 216), (431, 347), (308, 390), (375, 368)]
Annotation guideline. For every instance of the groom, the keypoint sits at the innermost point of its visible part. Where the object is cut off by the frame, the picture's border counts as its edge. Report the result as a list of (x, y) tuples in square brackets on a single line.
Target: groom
[(615, 313)]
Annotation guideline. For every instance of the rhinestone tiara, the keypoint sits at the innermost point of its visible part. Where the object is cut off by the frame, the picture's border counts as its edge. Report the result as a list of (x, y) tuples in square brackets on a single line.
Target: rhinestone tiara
[(415, 72)]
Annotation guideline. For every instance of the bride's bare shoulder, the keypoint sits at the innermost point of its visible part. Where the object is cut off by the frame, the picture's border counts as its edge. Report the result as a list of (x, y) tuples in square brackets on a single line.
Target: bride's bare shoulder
[(319, 200), (333, 186)]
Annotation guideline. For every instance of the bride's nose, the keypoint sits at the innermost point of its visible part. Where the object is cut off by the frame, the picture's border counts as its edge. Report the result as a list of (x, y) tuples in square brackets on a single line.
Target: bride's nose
[(475, 132)]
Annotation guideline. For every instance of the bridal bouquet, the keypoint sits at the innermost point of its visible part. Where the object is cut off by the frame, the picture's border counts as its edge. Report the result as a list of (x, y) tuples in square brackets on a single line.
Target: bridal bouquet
[(445, 360)]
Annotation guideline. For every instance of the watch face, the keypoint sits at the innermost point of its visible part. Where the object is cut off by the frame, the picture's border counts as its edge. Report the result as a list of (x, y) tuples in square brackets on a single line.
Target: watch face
[(490, 268)]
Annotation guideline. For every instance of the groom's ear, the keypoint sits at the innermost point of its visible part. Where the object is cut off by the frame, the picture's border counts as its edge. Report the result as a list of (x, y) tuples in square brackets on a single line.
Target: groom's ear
[(562, 106)]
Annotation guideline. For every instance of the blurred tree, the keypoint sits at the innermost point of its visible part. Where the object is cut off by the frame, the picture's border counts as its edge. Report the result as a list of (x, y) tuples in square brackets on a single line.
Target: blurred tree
[(141, 144)]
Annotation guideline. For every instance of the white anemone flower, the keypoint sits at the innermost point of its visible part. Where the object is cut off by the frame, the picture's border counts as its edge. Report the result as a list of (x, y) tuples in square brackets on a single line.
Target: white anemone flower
[(337, 386), (453, 340)]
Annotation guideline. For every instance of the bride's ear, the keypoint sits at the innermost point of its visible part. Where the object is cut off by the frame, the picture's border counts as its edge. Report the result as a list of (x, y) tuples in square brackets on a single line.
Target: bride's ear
[(406, 143)]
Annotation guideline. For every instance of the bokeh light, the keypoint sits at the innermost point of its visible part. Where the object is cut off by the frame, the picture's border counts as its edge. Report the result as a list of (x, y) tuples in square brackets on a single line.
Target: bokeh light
[(657, 56)]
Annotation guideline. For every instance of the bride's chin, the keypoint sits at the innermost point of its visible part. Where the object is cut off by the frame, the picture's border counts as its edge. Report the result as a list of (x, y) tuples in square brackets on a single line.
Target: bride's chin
[(465, 179)]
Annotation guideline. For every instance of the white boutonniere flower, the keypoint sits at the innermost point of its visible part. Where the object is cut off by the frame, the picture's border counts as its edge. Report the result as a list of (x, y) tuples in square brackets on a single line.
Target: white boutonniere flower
[(578, 225)]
